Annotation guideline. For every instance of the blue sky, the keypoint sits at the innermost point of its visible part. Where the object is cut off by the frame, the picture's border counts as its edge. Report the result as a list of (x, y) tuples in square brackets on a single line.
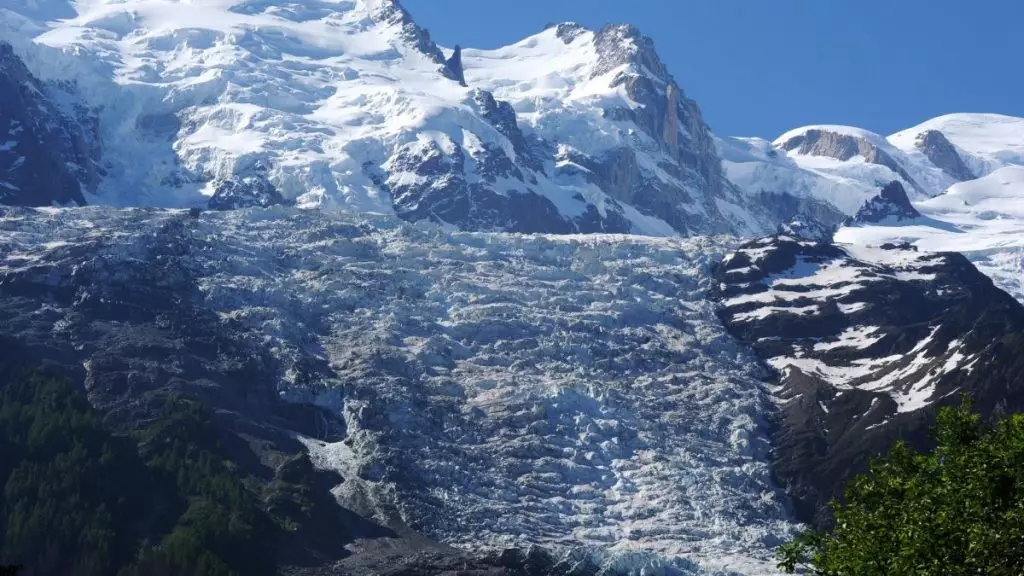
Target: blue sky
[(761, 67)]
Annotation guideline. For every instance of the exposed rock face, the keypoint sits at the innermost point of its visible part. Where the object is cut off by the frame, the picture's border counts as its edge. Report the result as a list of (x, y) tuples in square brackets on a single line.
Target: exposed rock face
[(816, 142), (806, 218), (529, 151), (891, 205), (49, 145), (866, 347), (675, 123), (567, 31), (943, 154), (246, 192), (671, 129), (439, 190), (447, 183), (453, 66)]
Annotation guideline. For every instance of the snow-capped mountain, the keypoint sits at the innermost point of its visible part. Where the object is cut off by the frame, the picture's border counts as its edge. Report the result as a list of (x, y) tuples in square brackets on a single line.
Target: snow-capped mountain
[(982, 219), (866, 342), (846, 166), (622, 386), (350, 105), (983, 143)]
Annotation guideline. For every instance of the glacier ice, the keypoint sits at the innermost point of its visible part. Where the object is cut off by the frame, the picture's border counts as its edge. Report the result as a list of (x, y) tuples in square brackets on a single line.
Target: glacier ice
[(496, 390)]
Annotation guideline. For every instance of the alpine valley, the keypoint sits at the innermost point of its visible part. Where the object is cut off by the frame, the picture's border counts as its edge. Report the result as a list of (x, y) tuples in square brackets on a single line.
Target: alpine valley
[(460, 311)]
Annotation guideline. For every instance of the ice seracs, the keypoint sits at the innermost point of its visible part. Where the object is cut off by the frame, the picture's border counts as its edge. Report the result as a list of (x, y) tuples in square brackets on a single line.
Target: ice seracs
[(488, 390)]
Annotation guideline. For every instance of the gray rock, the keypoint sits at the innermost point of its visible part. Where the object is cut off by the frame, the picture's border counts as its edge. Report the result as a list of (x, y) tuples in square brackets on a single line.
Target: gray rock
[(443, 194), (943, 154), (392, 12), (675, 123), (567, 31), (807, 229), (246, 192)]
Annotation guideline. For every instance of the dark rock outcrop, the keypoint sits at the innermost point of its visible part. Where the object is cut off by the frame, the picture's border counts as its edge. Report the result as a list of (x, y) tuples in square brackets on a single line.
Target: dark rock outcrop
[(941, 152), (457, 187), (890, 205), (453, 66), (391, 12), (567, 31), (434, 186), (502, 116), (866, 350), (805, 218), (49, 152)]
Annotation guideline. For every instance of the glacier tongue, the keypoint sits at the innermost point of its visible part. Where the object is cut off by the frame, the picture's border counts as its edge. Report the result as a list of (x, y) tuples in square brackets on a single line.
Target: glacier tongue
[(494, 389), (506, 390)]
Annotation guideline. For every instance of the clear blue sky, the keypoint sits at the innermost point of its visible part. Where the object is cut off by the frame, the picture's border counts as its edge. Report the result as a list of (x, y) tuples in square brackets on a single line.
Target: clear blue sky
[(761, 67)]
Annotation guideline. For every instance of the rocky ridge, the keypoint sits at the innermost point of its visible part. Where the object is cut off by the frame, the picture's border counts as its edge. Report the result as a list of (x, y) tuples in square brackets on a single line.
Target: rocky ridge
[(867, 343)]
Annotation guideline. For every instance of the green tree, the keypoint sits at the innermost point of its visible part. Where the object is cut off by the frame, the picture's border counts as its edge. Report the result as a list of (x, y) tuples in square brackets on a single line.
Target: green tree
[(75, 498), (958, 510)]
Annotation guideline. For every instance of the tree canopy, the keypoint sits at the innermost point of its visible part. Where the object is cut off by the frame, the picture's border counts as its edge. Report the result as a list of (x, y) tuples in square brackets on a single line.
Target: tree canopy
[(957, 510), (78, 499)]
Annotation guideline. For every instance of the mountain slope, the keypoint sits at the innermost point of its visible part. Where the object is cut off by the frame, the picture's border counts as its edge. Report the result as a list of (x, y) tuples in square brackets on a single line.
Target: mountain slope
[(621, 122), (982, 219), (867, 343), (966, 168), (984, 142), (48, 145)]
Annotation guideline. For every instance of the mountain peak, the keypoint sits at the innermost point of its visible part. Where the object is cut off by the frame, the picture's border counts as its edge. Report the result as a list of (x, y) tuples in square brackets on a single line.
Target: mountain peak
[(619, 44)]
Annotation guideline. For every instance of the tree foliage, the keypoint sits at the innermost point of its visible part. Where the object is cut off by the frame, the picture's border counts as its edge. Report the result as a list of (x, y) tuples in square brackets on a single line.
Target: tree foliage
[(955, 511), (77, 499)]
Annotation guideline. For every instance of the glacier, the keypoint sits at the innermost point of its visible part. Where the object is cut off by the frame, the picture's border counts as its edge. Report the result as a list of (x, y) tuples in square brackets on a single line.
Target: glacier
[(493, 390), (508, 294)]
